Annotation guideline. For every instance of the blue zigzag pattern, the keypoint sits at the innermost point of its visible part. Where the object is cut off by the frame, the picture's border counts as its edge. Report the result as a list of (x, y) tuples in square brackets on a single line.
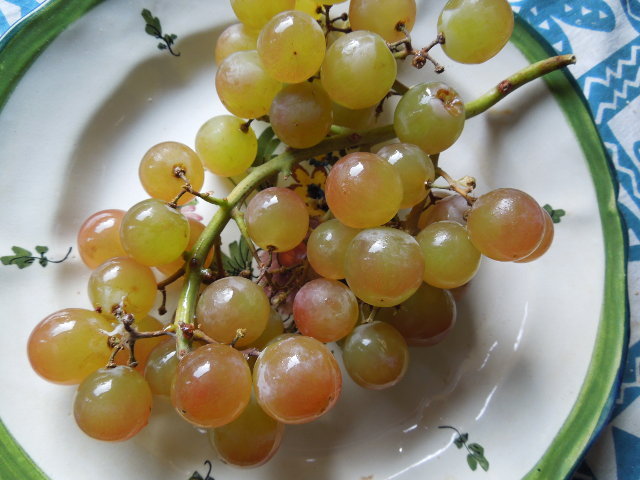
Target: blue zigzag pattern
[(614, 82), (25, 7)]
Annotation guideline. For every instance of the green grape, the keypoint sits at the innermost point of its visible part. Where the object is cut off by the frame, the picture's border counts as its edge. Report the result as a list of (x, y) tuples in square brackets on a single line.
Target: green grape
[(425, 318), (212, 386), (69, 344), (325, 310), (291, 46), (277, 219), (99, 237), (153, 233), (301, 115), (451, 207), (143, 346), (414, 167), (375, 355), (244, 86), (327, 246), (195, 230), (362, 190), (225, 147), (506, 224), (431, 116), (358, 70), (235, 38), (383, 17), (309, 7), (157, 171), (296, 379), (545, 243), (112, 404), (450, 259), (122, 279), (232, 303), (384, 266), (359, 119), (161, 367), (475, 30), (250, 440), (255, 13)]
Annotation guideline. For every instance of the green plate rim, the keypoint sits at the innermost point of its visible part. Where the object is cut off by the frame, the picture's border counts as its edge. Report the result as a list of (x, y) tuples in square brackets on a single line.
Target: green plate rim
[(22, 44)]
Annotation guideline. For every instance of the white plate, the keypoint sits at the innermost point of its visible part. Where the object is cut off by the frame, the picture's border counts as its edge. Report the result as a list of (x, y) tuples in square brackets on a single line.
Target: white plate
[(509, 375)]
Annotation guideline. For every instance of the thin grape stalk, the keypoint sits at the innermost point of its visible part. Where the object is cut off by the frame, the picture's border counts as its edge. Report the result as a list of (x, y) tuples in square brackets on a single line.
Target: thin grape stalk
[(283, 163)]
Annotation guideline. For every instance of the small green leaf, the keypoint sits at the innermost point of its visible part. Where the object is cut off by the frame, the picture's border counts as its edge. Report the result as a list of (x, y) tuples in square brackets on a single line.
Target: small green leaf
[(476, 448), (43, 261), (162, 46), (21, 252), (239, 258), (41, 249), (146, 14), (173, 36), (151, 31), (267, 144), (473, 463), (196, 476), (484, 463), (554, 214)]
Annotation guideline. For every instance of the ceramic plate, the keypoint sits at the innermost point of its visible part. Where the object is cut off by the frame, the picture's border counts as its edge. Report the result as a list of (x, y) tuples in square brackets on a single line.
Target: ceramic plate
[(529, 371)]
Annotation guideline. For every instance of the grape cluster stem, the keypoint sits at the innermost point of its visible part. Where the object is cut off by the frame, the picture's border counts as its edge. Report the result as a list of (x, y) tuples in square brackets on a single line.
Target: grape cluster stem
[(283, 163)]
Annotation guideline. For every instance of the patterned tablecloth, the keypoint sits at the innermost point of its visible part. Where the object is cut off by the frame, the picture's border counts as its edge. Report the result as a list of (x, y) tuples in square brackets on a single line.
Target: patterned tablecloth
[(605, 36)]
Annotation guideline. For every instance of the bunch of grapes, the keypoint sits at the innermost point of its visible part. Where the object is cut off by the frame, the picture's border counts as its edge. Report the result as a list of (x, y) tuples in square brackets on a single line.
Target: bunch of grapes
[(373, 273)]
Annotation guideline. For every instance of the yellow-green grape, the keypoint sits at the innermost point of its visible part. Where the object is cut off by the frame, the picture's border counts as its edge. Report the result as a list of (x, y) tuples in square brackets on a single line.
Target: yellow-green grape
[(112, 404), (375, 355), (362, 190), (475, 30), (122, 279), (301, 115), (425, 318), (144, 346), (244, 86), (450, 259), (327, 246), (159, 167), (451, 207), (359, 119), (255, 13), (195, 230), (158, 171), (235, 38), (309, 7), (506, 224), (69, 344), (212, 386), (99, 237), (384, 266), (383, 17), (250, 440), (153, 233), (325, 310), (296, 379), (226, 146), (232, 303), (358, 70), (414, 167), (277, 219), (291, 46), (431, 116), (161, 367), (545, 243)]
